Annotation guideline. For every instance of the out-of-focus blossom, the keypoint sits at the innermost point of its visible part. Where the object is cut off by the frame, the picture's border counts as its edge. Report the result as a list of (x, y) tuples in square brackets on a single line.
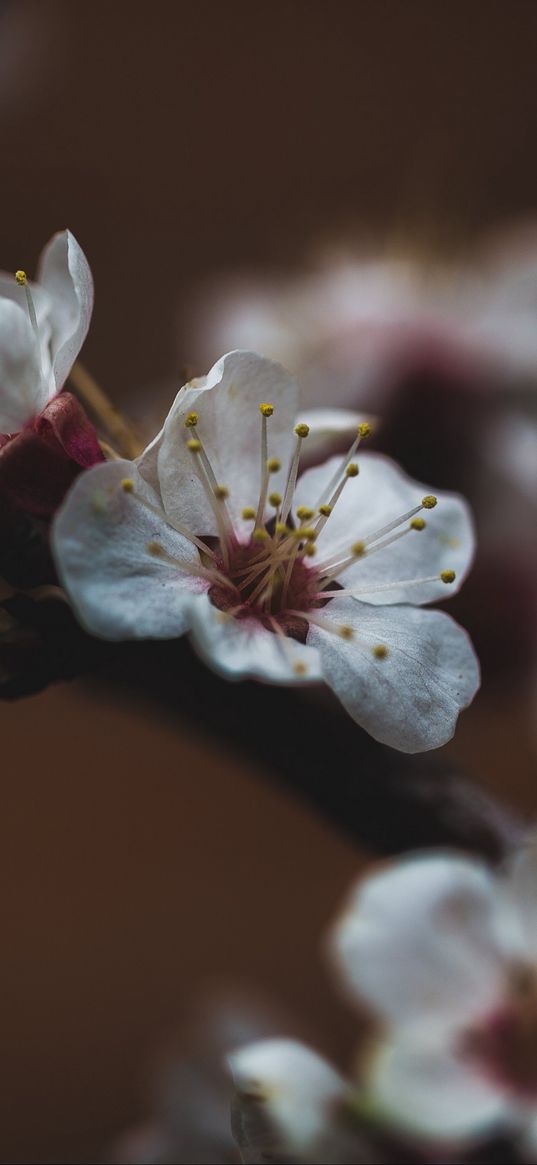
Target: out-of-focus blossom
[(354, 326), (45, 436), (212, 532), (445, 954)]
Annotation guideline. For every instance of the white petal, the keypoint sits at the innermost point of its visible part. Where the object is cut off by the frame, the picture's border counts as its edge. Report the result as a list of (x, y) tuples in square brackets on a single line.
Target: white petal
[(22, 391), (412, 698), (433, 1092), (241, 648), (295, 1088), (417, 941), (380, 493), (65, 274), (227, 402), (117, 588)]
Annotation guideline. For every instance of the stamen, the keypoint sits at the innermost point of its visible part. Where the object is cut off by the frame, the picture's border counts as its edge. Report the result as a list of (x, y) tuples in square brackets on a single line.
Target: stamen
[(215, 493), (299, 667), (302, 432), (248, 513), (156, 550), (266, 411), (447, 576), (22, 280), (364, 430), (335, 567), (380, 651), (343, 630), (127, 485), (325, 510)]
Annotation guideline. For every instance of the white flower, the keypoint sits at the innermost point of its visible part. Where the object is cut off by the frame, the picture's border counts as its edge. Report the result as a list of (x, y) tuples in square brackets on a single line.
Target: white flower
[(42, 329), (445, 953), (278, 579)]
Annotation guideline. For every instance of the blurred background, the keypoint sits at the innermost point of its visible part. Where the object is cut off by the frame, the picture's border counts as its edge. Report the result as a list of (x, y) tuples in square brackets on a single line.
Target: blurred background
[(187, 144)]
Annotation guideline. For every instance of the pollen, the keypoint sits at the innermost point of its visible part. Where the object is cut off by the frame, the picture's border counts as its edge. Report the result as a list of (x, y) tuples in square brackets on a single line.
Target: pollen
[(221, 492), (306, 533), (127, 485), (345, 631), (300, 668), (154, 548), (358, 549), (194, 445), (429, 502), (273, 465), (266, 410), (364, 429), (325, 510), (248, 513), (352, 470), (21, 278), (260, 534), (380, 651), (281, 528), (191, 421), (275, 500), (310, 549), (302, 430), (304, 513), (418, 524), (448, 576)]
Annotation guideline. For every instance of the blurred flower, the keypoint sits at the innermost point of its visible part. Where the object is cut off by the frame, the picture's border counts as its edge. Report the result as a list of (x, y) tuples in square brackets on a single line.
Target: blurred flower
[(45, 438), (354, 326), (445, 953), (212, 532)]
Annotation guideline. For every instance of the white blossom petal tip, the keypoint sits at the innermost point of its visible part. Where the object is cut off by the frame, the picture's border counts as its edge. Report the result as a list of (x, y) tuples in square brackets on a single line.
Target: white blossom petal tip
[(297, 1089), (65, 274)]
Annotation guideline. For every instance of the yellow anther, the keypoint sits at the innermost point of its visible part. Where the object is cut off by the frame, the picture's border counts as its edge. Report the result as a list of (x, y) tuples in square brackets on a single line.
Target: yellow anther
[(281, 528), (194, 445), (325, 511), (260, 534), (275, 500), (273, 465), (379, 651), (304, 513), (429, 502), (352, 470), (155, 549), (345, 631), (310, 549), (221, 492), (448, 576), (418, 524), (266, 410), (191, 421), (300, 668), (305, 533), (21, 278), (127, 485), (248, 513), (364, 429), (302, 430), (358, 548)]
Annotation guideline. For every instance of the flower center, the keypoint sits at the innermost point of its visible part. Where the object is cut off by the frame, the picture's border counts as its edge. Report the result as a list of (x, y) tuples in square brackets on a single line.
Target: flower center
[(505, 1046)]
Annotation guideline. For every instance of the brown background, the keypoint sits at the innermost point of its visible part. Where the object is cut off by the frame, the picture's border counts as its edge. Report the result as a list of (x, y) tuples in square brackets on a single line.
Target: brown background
[(175, 140)]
